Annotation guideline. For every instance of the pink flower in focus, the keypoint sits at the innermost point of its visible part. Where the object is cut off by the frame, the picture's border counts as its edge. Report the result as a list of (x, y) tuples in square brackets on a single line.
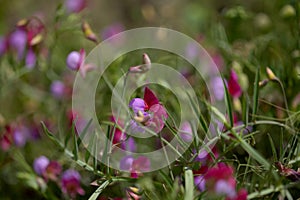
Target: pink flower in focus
[(234, 87), (70, 183), (148, 112)]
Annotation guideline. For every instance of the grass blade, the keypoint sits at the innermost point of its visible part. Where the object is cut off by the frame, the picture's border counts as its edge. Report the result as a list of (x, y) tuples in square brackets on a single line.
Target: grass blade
[(95, 195), (228, 104), (255, 93), (189, 185)]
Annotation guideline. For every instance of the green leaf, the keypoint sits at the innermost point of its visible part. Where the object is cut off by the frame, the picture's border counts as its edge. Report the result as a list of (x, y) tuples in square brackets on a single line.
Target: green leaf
[(255, 93), (51, 136), (95, 195), (189, 185), (228, 103), (273, 148)]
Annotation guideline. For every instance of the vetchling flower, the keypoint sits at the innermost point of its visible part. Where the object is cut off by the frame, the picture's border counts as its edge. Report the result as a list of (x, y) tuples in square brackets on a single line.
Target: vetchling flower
[(70, 183), (135, 166), (49, 170), (57, 89), (185, 132), (220, 181), (75, 62), (75, 6), (234, 87), (148, 112)]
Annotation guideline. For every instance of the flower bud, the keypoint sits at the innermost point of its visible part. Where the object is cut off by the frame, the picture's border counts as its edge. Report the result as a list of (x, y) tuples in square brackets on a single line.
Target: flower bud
[(270, 74), (263, 83), (88, 33), (287, 11)]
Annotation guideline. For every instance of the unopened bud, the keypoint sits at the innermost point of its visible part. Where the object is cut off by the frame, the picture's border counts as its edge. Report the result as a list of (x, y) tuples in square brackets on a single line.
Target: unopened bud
[(270, 74), (88, 33), (263, 83), (287, 11), (146, 59), (36, 40)]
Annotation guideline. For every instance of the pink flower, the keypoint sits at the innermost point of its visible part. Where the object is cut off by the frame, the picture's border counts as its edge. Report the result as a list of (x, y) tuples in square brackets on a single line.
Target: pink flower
[(40, 164), (185, 132), (112, 30), (52, 171), (219, 180), (70, 183), (30, 59), (234, 87), (57, 89), (135, 166), (75, 62), (75, 6), (18, 41), (148, 112)]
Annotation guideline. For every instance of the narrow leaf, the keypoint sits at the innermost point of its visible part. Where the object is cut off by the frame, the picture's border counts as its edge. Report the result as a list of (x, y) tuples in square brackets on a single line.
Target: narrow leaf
[(255, 93), (189, 185), (228, 103), (95, 195)]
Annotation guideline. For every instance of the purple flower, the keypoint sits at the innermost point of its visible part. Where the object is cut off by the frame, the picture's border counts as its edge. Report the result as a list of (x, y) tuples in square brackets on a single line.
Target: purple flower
[(223, 188), (199, 182), (70, 183), (74, 60), (234, 87), (30, 59), (126, 163), (112, 30), (129, 145), (191, 51), (17, 41), (186, 132), (75, 5), (40, 164), (138, 104), (217, 87), (135, 166), (57, 89), (21, 135)]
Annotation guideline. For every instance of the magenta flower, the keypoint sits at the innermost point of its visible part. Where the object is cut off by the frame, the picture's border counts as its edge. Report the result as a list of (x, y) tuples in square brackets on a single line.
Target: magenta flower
[(135, 166), (75, 6), (75, 62), (148, 112), (52, 171), (40, 164), (219, 180), (234, 87), (30, 59), (57, 89), (70, 183)]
